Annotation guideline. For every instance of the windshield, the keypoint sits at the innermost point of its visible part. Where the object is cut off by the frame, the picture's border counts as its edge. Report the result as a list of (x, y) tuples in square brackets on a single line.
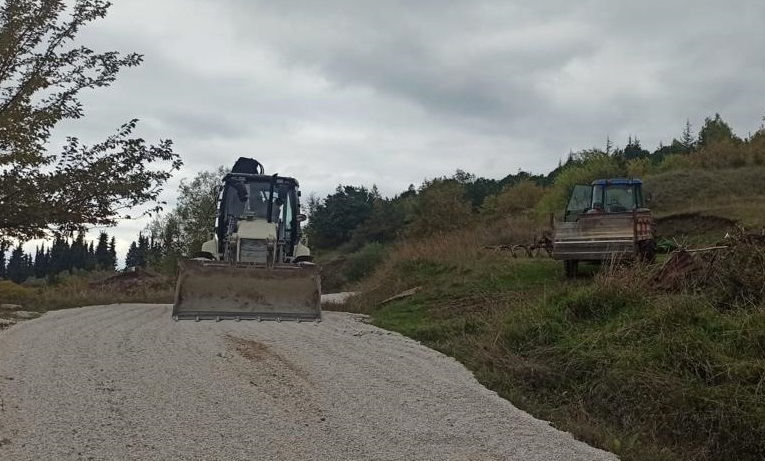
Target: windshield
[(616, 198), (249, 199)]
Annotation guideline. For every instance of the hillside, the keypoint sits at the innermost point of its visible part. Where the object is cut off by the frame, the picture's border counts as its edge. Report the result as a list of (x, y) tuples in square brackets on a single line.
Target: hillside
[(650, 371), (690, 202)]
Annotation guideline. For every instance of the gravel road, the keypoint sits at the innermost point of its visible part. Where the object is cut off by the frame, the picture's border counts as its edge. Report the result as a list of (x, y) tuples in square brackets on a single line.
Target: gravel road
[(126, 382)]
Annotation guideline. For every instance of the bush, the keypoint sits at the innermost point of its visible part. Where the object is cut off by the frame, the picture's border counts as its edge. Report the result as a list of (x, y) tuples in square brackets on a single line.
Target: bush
[(515, 199), (13, 293), (441, 207), (363, 262)]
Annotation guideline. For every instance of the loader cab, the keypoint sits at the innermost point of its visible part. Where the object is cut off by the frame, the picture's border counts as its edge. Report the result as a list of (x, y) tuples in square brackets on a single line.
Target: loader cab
[(256, 197), (605, 196)]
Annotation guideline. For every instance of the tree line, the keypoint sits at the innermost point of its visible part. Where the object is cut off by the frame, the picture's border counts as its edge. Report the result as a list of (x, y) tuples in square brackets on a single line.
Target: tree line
[(61, 256), (354, 216)]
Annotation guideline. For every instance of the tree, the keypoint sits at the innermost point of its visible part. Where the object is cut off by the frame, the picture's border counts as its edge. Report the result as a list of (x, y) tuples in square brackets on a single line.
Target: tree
[(18, 269), (634, 150), (42, 72), (167, 246), (60, 257), (196, 210), (476, 189), (581, 168), (103, 259), (715, 131), (90, 259), (132, 259), (3, 249), (676, 147), (334, 219), (383, 223), (441, 206), (112, 254), (143, 250), (515, 199), (688, 141), (46, 264), (78, 252), (39, 264)]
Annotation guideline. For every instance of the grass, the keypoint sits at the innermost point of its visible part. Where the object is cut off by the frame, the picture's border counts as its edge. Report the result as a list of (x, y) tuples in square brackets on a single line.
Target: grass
[(736, 194), (698, 207), (79, 290), (646, 374)]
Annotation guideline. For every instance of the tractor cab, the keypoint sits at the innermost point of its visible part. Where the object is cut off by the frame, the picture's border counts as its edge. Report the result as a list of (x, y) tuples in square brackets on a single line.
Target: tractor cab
[(605, 196), (257, 207)]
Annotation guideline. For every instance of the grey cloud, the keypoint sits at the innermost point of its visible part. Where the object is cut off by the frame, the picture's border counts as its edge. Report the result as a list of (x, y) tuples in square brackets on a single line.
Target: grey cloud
[(421, 52), (697, 56)]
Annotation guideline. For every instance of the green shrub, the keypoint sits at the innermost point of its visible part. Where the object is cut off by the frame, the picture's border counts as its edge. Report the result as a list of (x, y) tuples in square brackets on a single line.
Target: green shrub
[(13, 293), (363, 262)]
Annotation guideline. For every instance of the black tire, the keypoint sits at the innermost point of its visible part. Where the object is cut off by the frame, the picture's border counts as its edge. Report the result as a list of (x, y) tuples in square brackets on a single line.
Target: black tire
[(647, 250), (571, 267)]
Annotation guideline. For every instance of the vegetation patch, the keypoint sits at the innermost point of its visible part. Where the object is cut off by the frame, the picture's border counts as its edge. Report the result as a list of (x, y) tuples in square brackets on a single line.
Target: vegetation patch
[(87, 290), (645, 371), (694, 228)]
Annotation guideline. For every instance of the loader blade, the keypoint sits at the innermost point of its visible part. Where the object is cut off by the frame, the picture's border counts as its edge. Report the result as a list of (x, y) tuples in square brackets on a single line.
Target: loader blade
[(218, 290)]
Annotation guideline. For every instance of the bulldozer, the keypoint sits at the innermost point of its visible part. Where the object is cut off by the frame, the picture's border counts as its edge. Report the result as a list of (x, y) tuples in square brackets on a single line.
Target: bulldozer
[(256, 265)]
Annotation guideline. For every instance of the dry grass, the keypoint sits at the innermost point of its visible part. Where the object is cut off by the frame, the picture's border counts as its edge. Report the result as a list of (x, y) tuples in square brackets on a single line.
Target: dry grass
[(614, 359), (78, 291), (737, 194), (456, 255)]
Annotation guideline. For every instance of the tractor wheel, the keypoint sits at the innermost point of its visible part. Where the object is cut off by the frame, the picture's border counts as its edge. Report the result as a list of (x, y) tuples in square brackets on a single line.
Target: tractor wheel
[(647, 251), (571, 266)]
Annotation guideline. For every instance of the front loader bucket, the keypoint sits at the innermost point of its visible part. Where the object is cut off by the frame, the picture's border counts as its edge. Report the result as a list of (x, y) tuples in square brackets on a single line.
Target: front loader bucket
[(214, 290)]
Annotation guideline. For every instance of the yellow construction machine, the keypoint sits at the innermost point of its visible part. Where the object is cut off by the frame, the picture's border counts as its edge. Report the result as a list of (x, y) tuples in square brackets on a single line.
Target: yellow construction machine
[(255, 266)]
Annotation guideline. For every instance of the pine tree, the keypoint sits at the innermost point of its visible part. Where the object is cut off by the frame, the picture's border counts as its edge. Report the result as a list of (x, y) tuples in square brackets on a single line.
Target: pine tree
[(133, 257), (60, 257), (90, 258), (103, 259), (157, 250), (112, 262), (39, 261), (28, 266), (143, 250), (17, 271), (688, 141), (3, 249), (634, 150), (79, 252), (46, 263)]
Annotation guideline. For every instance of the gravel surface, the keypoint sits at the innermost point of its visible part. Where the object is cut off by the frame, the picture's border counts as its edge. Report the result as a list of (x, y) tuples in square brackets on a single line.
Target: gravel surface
[(337, 298), (126, 382)]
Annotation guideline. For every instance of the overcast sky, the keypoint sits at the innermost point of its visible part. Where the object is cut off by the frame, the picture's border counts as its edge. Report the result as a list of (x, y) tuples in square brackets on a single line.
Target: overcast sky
[(393, 92)]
